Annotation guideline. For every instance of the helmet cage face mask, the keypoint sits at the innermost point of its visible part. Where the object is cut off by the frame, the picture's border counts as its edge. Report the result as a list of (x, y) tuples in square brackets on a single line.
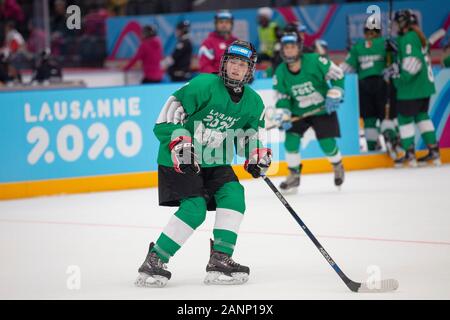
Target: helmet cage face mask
[(293, 39), (236, 51), (403, 19)]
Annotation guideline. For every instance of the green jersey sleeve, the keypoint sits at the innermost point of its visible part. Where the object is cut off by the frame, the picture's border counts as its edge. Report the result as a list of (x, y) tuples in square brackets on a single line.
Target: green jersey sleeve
[(184, 102), (281, 90), (411, 58), (416, 79), (352, 58), (331, 72)]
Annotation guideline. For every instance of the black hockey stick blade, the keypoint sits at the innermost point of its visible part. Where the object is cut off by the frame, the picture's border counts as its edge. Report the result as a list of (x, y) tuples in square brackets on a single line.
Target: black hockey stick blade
[(380, 286)]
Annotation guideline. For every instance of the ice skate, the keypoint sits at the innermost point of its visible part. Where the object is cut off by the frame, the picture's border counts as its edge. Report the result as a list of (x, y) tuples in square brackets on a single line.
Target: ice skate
[(339, 174), (292, 182), (223, 270), (393, 147), (153, 272), (408, 159), (433, 156)]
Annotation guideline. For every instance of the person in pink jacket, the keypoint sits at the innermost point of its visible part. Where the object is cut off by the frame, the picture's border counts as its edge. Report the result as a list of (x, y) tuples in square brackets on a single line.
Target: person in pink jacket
[(150, 52), (214, 45)]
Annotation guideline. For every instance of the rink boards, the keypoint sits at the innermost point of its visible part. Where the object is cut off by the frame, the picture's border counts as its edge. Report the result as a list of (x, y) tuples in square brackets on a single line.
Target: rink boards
[(83, 140)]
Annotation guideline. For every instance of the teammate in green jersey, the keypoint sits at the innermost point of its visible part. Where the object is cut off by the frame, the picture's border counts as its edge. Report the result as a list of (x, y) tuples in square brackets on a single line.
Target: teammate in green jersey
[(414, 81), (199, 128), (446, 56), (368, 58), (301, 82)]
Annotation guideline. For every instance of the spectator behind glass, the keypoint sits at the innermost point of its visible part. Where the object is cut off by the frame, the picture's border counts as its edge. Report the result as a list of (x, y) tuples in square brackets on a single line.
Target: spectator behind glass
[(94, 23), (9, 75), (14, 41), (36, 39), (58, 18), (59, 31), (267, 34), (46, 69), (10, 10), (150, 52), (117, 7)]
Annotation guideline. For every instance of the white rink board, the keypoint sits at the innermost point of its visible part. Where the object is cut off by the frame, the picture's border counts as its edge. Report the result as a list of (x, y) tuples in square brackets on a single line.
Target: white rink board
[(396, 220)]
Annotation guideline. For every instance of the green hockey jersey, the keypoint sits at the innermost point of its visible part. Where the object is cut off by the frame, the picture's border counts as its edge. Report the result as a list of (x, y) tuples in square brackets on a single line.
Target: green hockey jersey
[(416, 79), (368, 57), (306, 91), (218, 126)]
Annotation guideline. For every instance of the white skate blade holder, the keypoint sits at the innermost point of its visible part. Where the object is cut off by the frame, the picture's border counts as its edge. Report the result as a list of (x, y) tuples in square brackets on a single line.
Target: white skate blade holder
[(146, 281), (381, 286), (219, 278)]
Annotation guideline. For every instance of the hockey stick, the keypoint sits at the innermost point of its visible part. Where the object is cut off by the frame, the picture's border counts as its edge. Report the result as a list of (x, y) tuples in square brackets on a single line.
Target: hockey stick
[(389, 58), (386, 285), (303, 116)]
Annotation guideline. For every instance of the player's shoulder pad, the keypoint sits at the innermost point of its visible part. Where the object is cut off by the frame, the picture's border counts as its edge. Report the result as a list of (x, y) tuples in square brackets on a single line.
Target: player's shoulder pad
[(209, 38), (255, 99), (280, 68), (412, 37), (310, 56), (360, 42), (315, 58), (204, 80)]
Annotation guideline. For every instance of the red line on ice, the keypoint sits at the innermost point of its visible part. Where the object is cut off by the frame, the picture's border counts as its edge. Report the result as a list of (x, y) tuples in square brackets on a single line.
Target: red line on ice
[(84, 224)]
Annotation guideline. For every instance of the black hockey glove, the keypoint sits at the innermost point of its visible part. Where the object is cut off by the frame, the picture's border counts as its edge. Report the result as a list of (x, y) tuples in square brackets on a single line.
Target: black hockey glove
[(258, 162), (183, 155)]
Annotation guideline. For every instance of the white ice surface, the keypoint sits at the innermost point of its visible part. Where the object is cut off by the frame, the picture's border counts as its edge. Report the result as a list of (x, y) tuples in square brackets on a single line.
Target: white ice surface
[(395, 220)]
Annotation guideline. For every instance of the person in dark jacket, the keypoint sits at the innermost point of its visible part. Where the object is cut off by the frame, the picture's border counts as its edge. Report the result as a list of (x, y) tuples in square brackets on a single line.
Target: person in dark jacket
[(47, 68), (179, 63)]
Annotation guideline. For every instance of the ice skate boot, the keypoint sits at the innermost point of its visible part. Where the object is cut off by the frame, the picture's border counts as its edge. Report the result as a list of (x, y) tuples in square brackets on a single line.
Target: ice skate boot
[(222, 269), (433, 156), (339, 174), (407, 159), (292, 182), (393, 147), (153, 272)]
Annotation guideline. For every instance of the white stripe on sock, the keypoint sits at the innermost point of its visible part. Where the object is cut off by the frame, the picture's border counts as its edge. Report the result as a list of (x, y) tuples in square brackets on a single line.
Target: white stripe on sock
[(425, 126), (227, 219), (293, 159), (336, 158), (407, 131), (178, 230), (387, 124)]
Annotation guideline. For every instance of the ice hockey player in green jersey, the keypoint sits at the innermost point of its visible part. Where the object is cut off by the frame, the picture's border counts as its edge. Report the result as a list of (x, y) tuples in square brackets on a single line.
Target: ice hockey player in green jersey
[(199, 128), (368, 58), (301, 83), (413, 78)]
